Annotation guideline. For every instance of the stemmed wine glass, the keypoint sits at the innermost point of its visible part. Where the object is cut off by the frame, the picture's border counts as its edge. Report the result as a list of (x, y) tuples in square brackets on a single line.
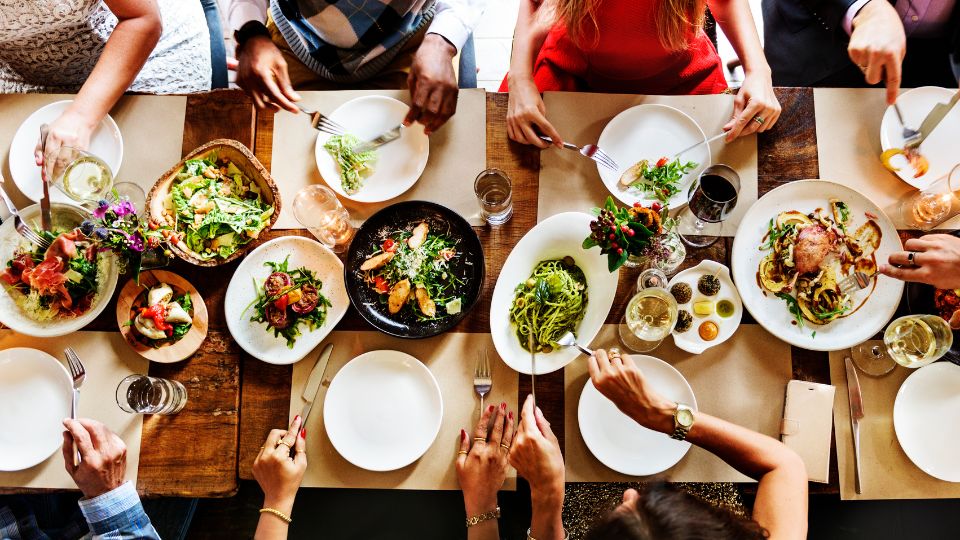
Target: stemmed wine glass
[(710, 200), (912, 341)]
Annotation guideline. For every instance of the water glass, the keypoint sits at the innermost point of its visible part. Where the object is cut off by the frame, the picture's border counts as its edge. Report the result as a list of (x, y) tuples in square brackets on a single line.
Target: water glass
[(711, 199), (651, 314), (140, 394), (79, 174), (317, 208), (495, 194)]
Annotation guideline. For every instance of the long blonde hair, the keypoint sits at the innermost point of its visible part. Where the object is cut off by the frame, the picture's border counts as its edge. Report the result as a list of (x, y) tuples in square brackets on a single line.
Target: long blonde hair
[(675, 19)]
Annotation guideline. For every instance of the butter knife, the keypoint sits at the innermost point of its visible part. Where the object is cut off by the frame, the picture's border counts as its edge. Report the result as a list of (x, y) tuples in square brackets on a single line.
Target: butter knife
[(533, 368), (46, 222), (315, 387), (380, 140), (856, 414), (933, 119)]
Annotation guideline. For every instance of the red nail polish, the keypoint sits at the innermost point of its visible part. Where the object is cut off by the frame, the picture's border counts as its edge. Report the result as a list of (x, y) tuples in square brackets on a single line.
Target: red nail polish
[(491, 408), (503, 405), (303, 433), (511, 415), (295, 418), (463, 435)]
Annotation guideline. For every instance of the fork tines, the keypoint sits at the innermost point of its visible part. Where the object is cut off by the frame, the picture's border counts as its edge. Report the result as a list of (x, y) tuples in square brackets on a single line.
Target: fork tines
[(30, 234), (77, 370), (322, 123), (605, 160)]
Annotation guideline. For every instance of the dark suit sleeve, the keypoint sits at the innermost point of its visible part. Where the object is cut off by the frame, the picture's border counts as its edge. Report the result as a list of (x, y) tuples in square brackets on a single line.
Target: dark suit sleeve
[(829, 13)]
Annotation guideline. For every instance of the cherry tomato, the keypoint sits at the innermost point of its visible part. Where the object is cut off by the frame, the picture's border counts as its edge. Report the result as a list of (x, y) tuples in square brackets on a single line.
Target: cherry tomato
[(380, 284), (656, 207), (663, 161), (389, 245), (281, 303)]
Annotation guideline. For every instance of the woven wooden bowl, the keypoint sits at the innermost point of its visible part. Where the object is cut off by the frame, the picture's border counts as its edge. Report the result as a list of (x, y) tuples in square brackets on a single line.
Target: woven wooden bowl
[(251, 167)]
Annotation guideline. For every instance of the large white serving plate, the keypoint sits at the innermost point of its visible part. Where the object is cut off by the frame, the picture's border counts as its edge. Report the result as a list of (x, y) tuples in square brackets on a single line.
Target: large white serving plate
[(556, 237), (64, 217), (399, 163), (617, 440), (651, 131), (941, 147), (256, 338), (106, 143), (35, 396), (926, 419), (771, 312), (383, 410)]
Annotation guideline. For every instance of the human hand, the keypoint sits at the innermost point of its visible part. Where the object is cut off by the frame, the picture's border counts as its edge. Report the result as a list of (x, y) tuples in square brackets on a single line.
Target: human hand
[(621, 381), (71, 128), (482, 461), (536, 455), (433, 84), (878, 45), (262, 73), (526, 113), (755, 100), (936, 262), (103, 456), (278, 474)]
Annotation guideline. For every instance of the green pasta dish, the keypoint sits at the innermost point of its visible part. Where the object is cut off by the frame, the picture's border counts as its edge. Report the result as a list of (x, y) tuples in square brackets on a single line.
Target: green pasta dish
[(354, 166), (549, 304)]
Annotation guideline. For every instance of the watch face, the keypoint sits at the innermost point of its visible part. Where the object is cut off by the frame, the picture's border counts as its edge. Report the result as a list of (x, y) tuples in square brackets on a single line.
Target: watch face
[(685, 417)]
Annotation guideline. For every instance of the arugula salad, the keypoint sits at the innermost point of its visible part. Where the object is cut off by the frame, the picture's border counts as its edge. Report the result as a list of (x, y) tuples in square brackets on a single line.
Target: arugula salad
[(288, 299), (354, 166), (215, 208), (660, 180)]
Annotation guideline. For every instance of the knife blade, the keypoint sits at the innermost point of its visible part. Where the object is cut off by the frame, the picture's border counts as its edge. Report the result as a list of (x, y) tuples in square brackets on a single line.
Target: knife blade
[(314, 386), (856, 414), (533, 368), (933, 119), (46, 221), (389, 135)]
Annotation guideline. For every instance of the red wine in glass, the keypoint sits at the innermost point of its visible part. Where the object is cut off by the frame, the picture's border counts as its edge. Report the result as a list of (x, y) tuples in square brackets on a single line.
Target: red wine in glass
[(713, 198)]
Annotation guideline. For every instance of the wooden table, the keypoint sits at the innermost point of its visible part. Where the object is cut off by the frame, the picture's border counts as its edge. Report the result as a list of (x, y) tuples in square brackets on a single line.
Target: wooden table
[(786, 153)]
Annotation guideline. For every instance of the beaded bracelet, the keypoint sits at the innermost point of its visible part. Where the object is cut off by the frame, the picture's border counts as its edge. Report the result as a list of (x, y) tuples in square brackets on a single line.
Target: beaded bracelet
[(277, 513), (566, 535), (493, 514)]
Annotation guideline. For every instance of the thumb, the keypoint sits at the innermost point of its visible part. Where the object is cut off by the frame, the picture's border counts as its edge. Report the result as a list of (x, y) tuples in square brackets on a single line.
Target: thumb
[(544, 426)]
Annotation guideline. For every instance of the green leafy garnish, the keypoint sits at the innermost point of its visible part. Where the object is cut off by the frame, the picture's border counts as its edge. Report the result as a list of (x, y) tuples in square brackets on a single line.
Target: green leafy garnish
[(353, 165), (661, 181), (793, 306)]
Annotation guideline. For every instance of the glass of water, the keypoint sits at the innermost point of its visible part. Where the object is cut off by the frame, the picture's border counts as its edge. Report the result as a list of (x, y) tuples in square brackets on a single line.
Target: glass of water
[(317, 208), (140, 394), (495, 194)]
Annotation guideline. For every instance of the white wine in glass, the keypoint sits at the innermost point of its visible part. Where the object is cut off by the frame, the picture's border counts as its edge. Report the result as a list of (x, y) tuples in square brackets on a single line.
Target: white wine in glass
[(650, 317), (917, 340)]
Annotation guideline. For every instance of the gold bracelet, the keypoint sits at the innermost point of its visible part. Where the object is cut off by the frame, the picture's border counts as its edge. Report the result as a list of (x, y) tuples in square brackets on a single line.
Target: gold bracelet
[(566, 535), (493, 514), (277, 513)]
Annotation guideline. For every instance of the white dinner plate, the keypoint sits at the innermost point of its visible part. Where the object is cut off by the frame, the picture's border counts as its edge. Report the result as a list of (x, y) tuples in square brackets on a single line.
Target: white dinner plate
[(690, 340), (617, 440), (256, 338), (399, 163), (651, 131), (926, 418), (64, 217), (940, 147), (556, 237), (105, 143), (35, 396), (383, 410), (771, 312)]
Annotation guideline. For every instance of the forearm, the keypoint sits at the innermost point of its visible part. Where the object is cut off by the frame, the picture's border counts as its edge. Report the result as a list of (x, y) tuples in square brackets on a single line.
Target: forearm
[(737, 22), (271, 526), (528, 37), (485, 530), (546, 521)]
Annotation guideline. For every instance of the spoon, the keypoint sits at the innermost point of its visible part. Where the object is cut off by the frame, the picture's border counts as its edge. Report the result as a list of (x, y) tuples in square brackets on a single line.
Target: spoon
[(569, 340)]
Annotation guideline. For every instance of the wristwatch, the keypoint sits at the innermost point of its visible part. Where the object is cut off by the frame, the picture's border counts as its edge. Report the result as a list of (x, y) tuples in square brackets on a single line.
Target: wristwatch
[(682, 422), (248, 30)]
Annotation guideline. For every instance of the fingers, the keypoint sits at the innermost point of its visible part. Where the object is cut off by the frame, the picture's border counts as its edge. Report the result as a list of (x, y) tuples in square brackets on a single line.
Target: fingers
[(544, 426), (80, 437), (275, 95), (480, 432), (300, 448), (920, 244), (527, 421), (745, 124), (874, 72), (289, 438), (272, 438), (904, 274), (496, 436), (508, 431), (67, 450), (593, 367), (738, 104), (531, 136), (901, 258), (100, 436), (893, 71), (463, 450)]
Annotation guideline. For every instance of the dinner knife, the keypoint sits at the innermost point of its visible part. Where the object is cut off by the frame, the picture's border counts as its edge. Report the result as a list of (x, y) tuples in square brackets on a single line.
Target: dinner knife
[(705, 141), (856, 414), (45, 219), (389, 135), (533, 368), (933, 119), (314, 386)]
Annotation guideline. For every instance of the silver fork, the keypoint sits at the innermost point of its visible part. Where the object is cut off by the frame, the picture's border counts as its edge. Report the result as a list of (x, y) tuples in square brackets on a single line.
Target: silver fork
[(322, 123), (909, 134), (591, 151), (22, 228), (855, 282), (482, 381), (78, 374)]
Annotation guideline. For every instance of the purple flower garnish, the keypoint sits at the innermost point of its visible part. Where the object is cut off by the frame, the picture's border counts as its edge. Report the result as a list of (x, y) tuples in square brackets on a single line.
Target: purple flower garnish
[(135, 241), (124, 208), (101, 209)]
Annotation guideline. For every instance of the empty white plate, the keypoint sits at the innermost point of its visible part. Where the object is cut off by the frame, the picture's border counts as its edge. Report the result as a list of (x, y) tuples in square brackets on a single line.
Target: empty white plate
[(383, 410), (105, 143), (624, 445), (926, 418), (940, 146), (651, 131), (399, 163), (35, 397)]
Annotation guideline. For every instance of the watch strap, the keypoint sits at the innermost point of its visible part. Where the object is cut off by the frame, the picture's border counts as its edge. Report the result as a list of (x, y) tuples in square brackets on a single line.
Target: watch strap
[(680, 431), (248, 30)]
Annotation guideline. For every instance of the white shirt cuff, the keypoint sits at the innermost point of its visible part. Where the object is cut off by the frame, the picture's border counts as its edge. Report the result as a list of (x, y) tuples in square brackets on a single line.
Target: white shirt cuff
[(450, 27), (240, 13), (851, 13), (110, 504)]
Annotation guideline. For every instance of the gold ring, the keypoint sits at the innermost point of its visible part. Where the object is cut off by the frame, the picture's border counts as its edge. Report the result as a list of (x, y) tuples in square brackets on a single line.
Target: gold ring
[(479, 440), (281, 441), (462, 453), (758, 120), (300, 452), (505, 447)]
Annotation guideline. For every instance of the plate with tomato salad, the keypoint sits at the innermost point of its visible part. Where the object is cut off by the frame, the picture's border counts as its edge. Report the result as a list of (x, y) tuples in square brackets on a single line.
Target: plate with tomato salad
[(285, 297)]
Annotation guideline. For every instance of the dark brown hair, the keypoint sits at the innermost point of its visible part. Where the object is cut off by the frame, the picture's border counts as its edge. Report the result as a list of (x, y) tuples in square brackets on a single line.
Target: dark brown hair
[(663, 512)]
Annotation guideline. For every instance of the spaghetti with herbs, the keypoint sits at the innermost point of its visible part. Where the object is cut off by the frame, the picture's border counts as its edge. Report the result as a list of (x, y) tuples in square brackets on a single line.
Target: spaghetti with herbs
[(550, 303)]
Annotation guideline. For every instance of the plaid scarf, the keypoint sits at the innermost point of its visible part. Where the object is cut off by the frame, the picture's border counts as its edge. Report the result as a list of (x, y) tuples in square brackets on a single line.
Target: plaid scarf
[(349, 41)]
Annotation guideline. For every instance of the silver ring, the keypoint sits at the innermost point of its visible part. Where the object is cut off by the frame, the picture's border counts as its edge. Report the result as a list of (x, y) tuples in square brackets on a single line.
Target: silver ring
[(911, 255), (758, 120)]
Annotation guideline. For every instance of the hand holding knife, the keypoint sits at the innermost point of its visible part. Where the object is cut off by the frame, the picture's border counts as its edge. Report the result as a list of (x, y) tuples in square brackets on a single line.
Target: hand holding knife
[(315, 388)]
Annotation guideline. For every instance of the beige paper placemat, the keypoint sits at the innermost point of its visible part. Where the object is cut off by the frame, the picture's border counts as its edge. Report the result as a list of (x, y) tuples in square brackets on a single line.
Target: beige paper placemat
[(848, 147), (151, 127), (107, 359), (743, 380), (570, 183), (452, 358), (886, 471), (458, 152)]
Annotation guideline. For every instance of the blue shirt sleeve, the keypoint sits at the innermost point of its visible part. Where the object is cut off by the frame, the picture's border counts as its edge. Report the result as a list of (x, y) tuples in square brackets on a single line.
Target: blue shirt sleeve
[(118, 515)]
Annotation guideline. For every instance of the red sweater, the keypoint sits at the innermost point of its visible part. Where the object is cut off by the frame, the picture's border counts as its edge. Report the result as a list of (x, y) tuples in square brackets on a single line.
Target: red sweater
[(627, 58)]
